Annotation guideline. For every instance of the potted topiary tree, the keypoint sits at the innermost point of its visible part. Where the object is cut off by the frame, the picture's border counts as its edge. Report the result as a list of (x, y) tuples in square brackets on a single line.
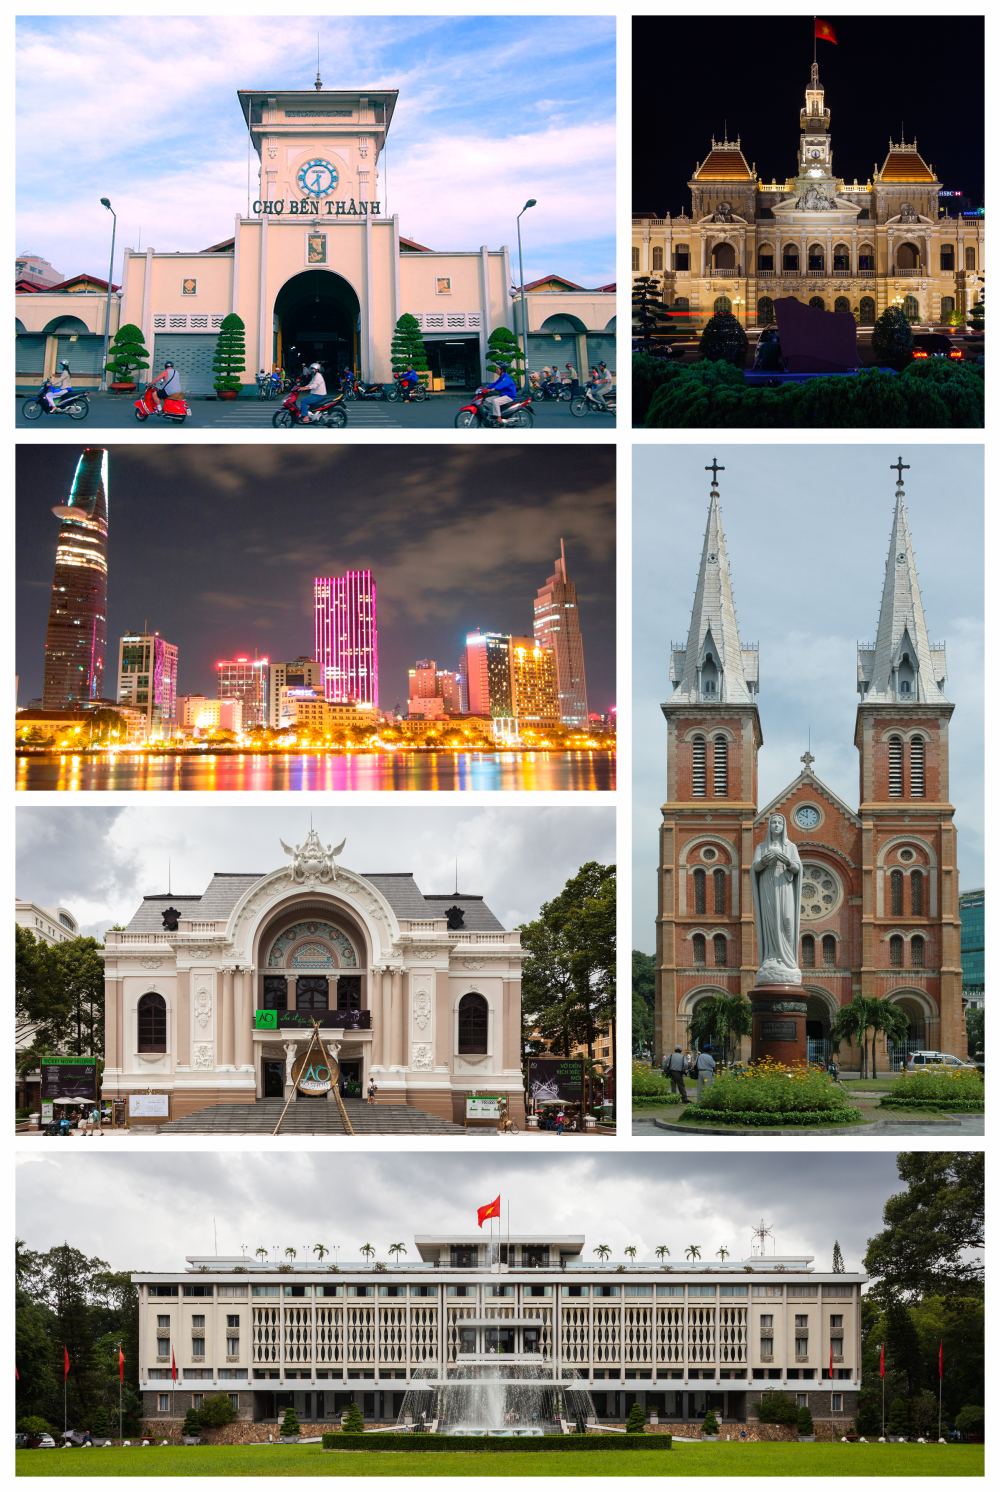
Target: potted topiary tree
[(636, 1422), (191, 1428), (408, 349), (503, 348), (892, 339), (353, 1422), (230, 358), (899, 1420), (127, 355), (805, 1423), (710, 1426), (290, 1427)]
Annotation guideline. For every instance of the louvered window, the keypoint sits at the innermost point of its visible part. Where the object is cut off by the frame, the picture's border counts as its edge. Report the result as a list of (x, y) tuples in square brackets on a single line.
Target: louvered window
[(916, 769), (698, 767), (829, 952), (808, 952), (896, 892), (719, 887), (916, 893), (916, 953), (719, 945), (720, 766), (895, 766), (895, 953), (699, 892), (698, 947)]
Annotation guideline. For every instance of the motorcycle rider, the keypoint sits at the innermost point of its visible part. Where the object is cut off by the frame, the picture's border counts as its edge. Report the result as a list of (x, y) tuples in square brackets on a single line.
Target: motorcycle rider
[(171, 389), (59, 387), (502, 392), (603, 384), (315, 393), (408, 382)]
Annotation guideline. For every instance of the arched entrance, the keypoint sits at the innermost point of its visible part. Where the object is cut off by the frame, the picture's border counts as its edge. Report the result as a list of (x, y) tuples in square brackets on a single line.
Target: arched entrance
[(317, 320)]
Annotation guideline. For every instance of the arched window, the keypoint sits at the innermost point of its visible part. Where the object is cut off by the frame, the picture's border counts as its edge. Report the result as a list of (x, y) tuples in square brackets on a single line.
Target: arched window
[(916, 768), (947, 305), (699, 893), (790, 258), (907, 256), (816, 258), (916, 893), (866, 260), (658, 258), (896, 892), (473, 1024), (765, 259), (312, 992), (970, 258), (765, 311), (682, 303), (724, 256), (829, 952), (720, 766), (895, 953), (698, 767), (698, 950), (866, 310), (682, 257), (152, 1023), (948, 262), (842, 303), (723, 303), (916, 953), (841, 259), (911, 308), (635, 260), (719, 887), (719, 946), (808, 951), (275, 992), (817, 302), (895, 766)]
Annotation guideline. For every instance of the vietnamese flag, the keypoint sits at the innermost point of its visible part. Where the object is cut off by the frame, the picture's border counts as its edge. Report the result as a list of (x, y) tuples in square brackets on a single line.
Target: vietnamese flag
[(881, 1361), (824, 31), (492, 1209), (941, 1360), (121, 1366), (831, 1357), (173, 1366), (65, 1364)]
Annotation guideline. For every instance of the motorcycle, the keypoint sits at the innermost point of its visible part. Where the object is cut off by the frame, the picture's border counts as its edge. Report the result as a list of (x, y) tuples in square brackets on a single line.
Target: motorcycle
[(75, 406), (359, 390), (416, 395), (174, 409), (268, 386), (331, 413), (515, 416), (552, 390), (585, 403)]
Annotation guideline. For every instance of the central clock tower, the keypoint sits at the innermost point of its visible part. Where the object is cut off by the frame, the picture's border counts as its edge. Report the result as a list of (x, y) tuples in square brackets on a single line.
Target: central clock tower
[(815, 164), (322, 144)]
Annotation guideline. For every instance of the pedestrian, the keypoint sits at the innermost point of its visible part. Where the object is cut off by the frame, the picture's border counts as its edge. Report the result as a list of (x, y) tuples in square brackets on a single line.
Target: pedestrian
[(372, 1090), (560, 1121), (705, 1068), (674, 1069)]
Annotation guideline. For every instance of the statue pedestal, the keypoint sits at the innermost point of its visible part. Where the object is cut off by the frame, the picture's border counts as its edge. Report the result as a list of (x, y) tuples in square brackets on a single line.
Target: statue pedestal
[(779, 1023)]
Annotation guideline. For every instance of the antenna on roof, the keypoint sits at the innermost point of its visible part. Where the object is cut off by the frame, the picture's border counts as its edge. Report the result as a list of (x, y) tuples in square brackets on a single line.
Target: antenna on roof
[(456, 875), (169, 888), (319, 80)]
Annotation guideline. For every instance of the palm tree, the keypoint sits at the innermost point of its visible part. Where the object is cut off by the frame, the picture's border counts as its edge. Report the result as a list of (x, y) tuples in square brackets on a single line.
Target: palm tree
[(397, 1249), (855, 1020), (367, 1250), (692, 1252), (722, 1253), (720, 1017), (321, 1251), (261, 1253), (602, 1251), (662, 1251), (631, 1252), (892, 1021), (291, 1253)]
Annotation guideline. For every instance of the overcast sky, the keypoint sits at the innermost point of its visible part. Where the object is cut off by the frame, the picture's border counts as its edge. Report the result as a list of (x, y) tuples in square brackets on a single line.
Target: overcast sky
[(148, 1210), (807, 532), (492, 109), (217, 548), (100, 862)]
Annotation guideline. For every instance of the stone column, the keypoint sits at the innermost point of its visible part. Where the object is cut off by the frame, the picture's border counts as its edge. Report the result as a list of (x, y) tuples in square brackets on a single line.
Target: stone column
[(396, 1047), (112, 1021), (182, 1042), (386, 1018), (227, 1044), (292, 984), (375, 1007), (240, 1043)]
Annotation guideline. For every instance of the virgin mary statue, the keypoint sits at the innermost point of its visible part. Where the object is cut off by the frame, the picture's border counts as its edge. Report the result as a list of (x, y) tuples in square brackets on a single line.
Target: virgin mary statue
[(777, 891)]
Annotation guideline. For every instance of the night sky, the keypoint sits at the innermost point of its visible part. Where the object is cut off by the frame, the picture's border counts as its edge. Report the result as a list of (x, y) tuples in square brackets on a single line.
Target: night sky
[(692, 74), (216, 547)]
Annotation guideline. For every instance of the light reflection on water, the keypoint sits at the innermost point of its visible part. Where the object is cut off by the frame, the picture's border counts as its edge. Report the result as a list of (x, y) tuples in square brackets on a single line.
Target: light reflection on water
[(500, 771)]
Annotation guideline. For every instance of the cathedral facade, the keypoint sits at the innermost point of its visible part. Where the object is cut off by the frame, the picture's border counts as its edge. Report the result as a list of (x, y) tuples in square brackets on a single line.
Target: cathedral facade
[(879, 908), (838, 245)]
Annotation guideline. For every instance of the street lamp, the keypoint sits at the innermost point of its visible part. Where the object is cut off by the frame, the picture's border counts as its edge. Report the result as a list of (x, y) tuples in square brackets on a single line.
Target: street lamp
[(107, 313), (531, 202), (737, 302)]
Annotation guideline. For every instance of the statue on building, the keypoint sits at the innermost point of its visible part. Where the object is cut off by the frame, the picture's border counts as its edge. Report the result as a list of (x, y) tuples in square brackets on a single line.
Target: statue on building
[(813, 200), (310, 861), (907, 214), (723, 213), (776, 873)]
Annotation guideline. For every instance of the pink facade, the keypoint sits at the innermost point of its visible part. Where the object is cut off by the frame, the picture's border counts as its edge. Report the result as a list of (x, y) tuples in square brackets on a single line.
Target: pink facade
[(347, 637)]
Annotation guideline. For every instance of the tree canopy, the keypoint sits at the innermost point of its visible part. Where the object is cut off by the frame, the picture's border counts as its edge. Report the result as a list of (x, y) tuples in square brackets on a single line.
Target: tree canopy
[(58, 995), (932, 1227), (568, 980)]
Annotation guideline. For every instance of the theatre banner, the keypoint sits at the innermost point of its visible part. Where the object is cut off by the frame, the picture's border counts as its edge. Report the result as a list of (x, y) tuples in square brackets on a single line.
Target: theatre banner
[(555, 1080), (149, 1106), (68, 1077), (332, 1020), (482, 1107)]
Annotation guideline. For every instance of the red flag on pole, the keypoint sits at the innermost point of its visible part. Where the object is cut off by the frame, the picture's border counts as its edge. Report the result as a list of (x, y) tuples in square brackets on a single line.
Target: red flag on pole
[(121, 1366), (65, 1364), (824, 31), (491, 1210), (831, 1357), (173, 1366), (941, 1359), (881, 1361)]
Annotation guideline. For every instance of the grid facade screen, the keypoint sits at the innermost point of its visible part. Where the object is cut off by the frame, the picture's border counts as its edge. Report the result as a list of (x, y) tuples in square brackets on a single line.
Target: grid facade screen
[(347, 637)]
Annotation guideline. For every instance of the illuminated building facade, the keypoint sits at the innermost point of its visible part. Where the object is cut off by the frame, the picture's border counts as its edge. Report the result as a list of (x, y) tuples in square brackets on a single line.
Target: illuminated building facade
[(196, 712), (434, 692), (147, 679), (533, 675), (246, 679), (557, 626), (347, 637), (77, 632), (511, 679), (301, 673)]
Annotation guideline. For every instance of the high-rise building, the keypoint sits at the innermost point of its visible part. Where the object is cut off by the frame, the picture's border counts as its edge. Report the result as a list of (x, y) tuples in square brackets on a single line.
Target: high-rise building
[(77, 632), (434, 692), (557, 626), (972, 910), (301, 673), (510, 679), (246, 679), (347, 637), (147, 679), (533, 676), (195, 712)]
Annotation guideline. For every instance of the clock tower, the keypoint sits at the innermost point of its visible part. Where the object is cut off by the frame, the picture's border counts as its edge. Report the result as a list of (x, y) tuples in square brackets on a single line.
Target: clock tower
[(815, 164)]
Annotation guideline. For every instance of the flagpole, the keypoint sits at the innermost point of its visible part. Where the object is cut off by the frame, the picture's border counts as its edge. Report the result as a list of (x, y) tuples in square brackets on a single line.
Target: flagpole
[(883, 1390), (940, 1382)]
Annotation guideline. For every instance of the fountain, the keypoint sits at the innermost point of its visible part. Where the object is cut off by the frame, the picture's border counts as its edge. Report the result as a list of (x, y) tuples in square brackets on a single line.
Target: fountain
[(495, 1399)]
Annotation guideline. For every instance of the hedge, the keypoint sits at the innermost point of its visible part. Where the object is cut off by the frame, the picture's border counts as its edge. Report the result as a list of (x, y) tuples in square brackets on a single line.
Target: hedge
[(953, 1105), (756, 1119), (338, 1441)]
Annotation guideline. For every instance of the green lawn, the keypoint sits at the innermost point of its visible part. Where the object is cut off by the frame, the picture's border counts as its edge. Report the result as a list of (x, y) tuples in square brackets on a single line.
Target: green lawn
[(685, 1460)]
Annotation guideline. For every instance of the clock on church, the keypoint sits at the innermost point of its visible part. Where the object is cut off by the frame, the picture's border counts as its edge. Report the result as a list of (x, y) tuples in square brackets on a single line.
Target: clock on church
[(807, 817), (318, 178)]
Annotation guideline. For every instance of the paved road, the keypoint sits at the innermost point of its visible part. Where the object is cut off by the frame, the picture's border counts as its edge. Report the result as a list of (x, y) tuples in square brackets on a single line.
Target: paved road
[(968, 1124), (437, 413)]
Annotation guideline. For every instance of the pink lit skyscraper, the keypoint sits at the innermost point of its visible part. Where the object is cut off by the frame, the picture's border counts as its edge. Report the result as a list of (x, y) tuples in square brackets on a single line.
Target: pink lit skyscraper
[(347, 637)]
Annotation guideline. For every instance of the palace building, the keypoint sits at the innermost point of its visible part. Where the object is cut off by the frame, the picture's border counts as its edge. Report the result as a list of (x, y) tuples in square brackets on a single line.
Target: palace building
[(880, 910), (839, 245), (316, 269), (677, 1339), (211, 998)]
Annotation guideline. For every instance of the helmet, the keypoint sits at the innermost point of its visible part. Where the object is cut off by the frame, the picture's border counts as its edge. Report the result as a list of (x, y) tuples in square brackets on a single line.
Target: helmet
[(501, 367), (168, 364), (64, 365), (315, 367), (602, 365)]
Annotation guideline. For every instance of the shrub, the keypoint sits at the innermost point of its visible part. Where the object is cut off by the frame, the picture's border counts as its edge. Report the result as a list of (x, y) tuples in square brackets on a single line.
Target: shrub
[(192, 1423), (805, 1421), (977, 313), (710, 1425), (767, 1086), (892, 338), (648, 1083), (230, 355), (937, 1088), (290, 1424), (648, 374), (100, 1425), (777, 1409), (216, 1411), (354, 1424), (127, 354), (408, 345), (724, 340), (33, 1424), (636, 1422), (970, 1420), (899, 1418)]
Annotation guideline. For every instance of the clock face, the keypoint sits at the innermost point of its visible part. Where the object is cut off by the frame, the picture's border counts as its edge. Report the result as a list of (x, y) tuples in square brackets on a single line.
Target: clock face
[(318, 178), (807, 817), (816, 155)]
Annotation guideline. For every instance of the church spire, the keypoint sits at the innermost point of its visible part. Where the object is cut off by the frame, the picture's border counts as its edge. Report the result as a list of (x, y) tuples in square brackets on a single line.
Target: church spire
[(902, 667), (713, 667)]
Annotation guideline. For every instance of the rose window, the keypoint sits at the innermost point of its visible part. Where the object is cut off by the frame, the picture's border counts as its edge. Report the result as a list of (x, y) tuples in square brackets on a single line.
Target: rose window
[(821, 892)]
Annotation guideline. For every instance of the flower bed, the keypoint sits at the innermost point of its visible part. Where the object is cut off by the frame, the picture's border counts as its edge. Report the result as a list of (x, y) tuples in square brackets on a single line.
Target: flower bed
[(338, 1441), (755, 1119), (768, 1087), (958, 1091), (648, 1086)]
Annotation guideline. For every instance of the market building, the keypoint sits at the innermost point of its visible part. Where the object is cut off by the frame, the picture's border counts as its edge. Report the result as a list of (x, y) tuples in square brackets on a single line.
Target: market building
[(316, 269), (211, 998), (677, 1339), (840, 245)]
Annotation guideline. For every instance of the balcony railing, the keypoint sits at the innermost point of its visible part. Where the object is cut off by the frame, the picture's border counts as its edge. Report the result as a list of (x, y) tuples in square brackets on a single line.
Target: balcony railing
[(765, 274), (898, 272), (728, 273)]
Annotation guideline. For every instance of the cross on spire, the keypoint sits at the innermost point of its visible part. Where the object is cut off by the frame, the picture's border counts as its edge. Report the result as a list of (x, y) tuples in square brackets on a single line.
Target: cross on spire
[(715, 468), (808, 758), (898, 467)]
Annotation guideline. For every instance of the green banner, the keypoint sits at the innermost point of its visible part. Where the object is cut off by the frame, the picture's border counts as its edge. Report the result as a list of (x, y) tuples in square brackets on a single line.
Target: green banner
[(265, 1020)]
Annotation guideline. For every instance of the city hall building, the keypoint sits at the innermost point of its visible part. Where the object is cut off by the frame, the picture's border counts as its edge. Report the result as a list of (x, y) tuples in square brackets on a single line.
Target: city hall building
[(839, 245), (317, 271), (211, 998), (678, 1340)]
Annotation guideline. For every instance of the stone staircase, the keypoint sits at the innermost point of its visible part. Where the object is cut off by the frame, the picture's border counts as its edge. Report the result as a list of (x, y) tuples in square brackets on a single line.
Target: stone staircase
[(308, 1116)]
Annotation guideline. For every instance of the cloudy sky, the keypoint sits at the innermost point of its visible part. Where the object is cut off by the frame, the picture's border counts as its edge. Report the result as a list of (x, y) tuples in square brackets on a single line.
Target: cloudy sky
[(807, 530), (217, 547), (492, 110), (148, 1210), (100, 862)]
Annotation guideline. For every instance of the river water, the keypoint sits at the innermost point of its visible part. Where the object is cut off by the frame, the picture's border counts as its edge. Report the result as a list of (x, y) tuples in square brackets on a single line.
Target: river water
[(501, 771)]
